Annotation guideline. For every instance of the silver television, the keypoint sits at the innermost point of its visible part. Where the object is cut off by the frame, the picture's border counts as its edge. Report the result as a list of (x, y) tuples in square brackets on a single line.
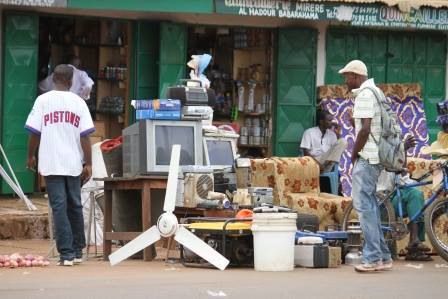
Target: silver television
[(147, 145), (219, 152)]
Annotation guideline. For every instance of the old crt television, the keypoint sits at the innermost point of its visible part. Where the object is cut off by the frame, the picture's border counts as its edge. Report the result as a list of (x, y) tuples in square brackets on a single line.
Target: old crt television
[(147, 145), (220, 152)]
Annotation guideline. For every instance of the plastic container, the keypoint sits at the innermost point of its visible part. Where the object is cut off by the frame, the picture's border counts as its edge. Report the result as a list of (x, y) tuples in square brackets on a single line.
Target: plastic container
[(113, 156), (274, 236)]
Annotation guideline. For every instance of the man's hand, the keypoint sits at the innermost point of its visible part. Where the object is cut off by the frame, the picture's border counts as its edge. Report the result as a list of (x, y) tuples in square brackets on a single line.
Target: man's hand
[(337, 129), (409, 142), (31, 163), (86, 173)]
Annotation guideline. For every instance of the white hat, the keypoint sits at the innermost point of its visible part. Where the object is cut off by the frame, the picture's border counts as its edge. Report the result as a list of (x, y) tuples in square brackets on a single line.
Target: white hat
[(354, 66)]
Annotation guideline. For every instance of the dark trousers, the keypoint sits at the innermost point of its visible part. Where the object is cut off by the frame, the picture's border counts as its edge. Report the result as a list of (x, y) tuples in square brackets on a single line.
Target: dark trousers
[(64, 193)]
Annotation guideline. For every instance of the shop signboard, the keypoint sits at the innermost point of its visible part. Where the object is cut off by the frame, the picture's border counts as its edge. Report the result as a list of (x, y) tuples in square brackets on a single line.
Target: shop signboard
[(40, 3), (376, 15)]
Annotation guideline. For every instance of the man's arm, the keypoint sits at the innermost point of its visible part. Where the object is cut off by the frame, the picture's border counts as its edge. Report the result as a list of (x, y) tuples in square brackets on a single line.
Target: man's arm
[(33, 144), (361, 138), (87, 150)]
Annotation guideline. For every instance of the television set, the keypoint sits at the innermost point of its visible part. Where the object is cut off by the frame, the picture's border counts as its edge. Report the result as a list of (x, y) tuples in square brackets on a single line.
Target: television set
[(219, 152), (147, 145)]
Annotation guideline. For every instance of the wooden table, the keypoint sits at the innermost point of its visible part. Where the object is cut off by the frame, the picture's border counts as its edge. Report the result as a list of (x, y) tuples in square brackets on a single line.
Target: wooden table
[(143, 183)]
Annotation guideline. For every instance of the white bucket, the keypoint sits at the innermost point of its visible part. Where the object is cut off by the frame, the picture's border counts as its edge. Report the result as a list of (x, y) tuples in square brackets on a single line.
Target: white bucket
[(274, 236)]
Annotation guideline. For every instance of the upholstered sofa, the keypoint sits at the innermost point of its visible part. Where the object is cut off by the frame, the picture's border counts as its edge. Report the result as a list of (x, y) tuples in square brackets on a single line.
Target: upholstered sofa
[(295, 182)]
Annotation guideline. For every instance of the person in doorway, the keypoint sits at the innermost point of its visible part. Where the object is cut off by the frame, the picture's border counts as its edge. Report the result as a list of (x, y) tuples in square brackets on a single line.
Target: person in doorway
[(59, 126), (81, 82), (367, 167), (321, 142)]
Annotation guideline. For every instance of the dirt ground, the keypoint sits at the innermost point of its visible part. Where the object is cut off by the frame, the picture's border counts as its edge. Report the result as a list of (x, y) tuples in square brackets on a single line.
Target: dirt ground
[(156, 279)]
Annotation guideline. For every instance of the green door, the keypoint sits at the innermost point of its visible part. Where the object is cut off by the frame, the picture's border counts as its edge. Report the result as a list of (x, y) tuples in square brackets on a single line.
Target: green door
[(393, 57), (343, 46), (296, 80), (145, 72), (173, 51), (20, 49), (420, 58)]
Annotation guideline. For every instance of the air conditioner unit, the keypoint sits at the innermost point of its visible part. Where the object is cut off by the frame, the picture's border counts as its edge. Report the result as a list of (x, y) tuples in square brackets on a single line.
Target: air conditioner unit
[(196, 188)]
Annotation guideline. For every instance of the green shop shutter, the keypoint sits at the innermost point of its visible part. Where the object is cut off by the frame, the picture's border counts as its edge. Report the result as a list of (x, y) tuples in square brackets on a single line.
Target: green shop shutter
[(344, 45), (421, 58), (145, 77), (296, 88), (20, 48), (173, 51)]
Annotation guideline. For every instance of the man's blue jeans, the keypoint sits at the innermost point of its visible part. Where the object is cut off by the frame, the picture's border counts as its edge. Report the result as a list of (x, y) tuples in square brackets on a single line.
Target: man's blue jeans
[(64, 193), (364, 181)]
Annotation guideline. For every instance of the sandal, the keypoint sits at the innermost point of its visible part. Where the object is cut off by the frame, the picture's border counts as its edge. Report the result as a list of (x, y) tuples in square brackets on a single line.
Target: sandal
[(418, 247), (418, 256)]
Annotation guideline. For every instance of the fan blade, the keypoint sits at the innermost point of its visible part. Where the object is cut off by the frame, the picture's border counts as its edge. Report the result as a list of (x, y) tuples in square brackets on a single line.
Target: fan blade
[(147, 238), (171, 188), (189, 240)]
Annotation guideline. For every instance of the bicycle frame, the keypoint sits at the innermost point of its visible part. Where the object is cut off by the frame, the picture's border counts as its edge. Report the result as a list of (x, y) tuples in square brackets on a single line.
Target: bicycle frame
[(442, 188)]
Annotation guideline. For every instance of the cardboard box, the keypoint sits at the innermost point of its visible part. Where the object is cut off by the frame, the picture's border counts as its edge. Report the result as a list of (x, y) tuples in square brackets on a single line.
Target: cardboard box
[(100, 128), (334, 257)]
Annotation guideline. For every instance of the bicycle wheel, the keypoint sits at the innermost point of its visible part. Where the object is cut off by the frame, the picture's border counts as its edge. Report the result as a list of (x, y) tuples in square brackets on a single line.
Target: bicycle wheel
[(436, 221), (387, 218)]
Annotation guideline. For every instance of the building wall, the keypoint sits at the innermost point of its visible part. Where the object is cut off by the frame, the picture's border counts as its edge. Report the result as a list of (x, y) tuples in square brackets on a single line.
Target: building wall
[(192, 6)]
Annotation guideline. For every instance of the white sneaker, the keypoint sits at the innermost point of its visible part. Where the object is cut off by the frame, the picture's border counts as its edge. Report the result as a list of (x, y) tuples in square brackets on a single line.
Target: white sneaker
[(77, 261), (367, 267), (65, 263), (386, 266)]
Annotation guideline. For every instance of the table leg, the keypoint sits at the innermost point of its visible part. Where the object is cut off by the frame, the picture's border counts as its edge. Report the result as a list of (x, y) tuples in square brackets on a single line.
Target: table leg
[(146, 218), (107, 227)]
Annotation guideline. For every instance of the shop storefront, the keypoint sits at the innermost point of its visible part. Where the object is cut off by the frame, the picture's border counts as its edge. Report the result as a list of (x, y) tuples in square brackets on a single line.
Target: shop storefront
[(270, 54)]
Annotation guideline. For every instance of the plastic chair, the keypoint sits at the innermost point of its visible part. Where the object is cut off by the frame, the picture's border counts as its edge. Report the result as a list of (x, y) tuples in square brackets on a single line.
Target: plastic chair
[(333, 177)]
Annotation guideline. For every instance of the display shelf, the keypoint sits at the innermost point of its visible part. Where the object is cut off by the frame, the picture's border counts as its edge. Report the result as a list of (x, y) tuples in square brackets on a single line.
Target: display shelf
[(252, 65), (253, 145), (254, 114), (251, 49)]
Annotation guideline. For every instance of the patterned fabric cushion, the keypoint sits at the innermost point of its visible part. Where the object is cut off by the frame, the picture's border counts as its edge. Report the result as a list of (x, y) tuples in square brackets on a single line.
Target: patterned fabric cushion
[(296, 175), (296, 184), (327, 207)]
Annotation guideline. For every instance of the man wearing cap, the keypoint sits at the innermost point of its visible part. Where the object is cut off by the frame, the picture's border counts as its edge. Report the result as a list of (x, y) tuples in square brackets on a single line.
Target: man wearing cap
[(366, 167)]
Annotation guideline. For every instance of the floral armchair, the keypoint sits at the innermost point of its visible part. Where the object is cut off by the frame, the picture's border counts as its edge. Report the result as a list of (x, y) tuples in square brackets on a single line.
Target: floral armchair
[(295, 182)]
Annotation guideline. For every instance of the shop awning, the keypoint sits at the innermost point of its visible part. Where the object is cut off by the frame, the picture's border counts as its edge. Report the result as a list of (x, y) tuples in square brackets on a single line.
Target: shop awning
[(403, 5)]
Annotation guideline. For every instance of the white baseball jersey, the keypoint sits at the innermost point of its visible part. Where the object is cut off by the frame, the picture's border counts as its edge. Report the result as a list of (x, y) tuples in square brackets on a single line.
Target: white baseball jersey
[(81, 83), (60, 118)]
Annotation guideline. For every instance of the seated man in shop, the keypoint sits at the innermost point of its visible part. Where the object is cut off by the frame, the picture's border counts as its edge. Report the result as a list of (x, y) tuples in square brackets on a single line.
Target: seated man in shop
[(321, 142), (81, 82)]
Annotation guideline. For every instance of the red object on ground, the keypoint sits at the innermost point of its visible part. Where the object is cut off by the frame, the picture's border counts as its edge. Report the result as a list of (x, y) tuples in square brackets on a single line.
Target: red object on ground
[(244, 213), (111, 144)]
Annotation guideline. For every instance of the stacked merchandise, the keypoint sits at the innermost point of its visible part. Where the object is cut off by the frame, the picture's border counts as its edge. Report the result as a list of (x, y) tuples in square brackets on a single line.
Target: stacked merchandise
[(157, 109)]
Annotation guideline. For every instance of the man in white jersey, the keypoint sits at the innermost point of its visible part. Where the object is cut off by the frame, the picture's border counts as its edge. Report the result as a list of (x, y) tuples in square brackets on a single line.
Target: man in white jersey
[(366, 167), (81, 82), (59, 125)]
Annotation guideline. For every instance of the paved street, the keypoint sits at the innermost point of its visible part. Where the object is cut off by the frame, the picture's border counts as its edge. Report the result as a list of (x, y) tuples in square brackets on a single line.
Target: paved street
[(137, 279)]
